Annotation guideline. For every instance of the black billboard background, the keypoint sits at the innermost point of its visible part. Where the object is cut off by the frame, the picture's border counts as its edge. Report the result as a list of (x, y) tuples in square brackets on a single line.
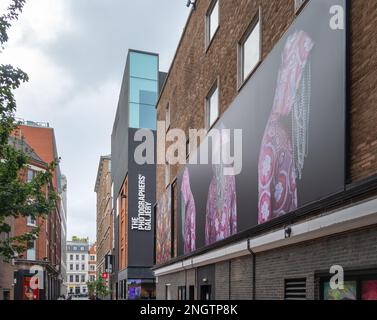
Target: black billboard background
[(140, 243), (324, 169)]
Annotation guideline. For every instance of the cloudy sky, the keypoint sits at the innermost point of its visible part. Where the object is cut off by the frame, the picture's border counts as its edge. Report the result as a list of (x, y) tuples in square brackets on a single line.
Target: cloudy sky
[(74, 52)]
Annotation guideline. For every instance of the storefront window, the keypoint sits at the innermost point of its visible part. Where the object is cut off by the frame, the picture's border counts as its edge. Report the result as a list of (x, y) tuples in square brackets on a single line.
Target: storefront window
[(358, 287), (348, 293)]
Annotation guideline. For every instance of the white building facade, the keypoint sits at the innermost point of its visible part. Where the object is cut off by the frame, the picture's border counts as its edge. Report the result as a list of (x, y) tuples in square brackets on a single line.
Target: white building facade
[(77, 267)]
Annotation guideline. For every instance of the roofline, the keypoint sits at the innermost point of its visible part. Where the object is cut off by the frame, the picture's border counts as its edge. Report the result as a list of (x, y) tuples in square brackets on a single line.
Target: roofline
[(175, 55), (99, 170)]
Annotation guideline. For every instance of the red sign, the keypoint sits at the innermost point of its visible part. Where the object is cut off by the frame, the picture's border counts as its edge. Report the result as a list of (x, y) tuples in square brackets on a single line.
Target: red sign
[(104, 275), (28, 293)]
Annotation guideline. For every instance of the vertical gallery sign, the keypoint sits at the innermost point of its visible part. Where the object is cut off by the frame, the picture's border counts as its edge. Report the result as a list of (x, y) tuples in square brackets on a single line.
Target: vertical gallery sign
[(141, 198)]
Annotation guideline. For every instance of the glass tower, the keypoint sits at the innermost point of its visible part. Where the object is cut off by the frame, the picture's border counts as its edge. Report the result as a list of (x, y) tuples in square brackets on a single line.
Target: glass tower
[(143, 90)]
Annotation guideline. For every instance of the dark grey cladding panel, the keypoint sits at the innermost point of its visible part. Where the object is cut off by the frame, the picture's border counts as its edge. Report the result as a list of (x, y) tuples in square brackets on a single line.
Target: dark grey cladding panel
[(119, 138), (141, 198)]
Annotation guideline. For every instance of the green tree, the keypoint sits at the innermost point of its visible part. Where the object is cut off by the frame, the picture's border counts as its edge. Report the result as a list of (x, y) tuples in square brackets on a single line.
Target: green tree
[(17, 197), (98, 288)]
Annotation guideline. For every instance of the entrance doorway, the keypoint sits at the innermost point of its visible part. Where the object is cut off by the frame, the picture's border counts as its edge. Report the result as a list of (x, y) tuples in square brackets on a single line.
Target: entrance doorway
[(205, 292)]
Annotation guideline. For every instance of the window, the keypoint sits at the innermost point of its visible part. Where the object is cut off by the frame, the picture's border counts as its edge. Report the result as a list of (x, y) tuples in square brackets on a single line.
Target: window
[(71, 257), (92, 267), (83, 278), (92, 278), (71, 278), (249, 49), (77, 278), (31, 221), (71, 267), (358, 285), (30, 254), (74, 248), (77, 267), (83, 257), (212, 106), (83, 267), (167, 174), (295, 289), (167, 117), (30, 175), (77, 257), (212, 21), (82, 248), (182, 293), (143, 90), (92, 258)]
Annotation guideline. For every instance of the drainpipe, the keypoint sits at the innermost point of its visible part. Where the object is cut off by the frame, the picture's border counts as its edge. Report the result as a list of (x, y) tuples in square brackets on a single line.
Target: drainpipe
[(253, 255)]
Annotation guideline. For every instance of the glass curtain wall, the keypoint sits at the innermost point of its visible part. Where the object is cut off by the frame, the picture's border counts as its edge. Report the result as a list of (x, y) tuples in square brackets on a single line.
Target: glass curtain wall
[(143, 90)]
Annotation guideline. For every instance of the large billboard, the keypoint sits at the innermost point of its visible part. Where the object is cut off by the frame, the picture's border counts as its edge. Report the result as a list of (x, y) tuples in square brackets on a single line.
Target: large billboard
[(292, 115)]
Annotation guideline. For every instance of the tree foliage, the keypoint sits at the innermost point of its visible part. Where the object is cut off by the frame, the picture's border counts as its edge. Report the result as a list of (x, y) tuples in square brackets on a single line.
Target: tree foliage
[(17, 197), (98, 288)]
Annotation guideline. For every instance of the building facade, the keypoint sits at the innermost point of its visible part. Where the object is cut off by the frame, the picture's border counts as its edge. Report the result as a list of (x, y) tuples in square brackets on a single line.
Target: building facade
[(77, 267), (297, 77), (134, 184), (92, 263), (105, 218), (43, 256), (63, 206)]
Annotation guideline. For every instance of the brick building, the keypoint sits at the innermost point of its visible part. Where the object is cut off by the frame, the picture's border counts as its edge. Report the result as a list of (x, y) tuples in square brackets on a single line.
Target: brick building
[(227, 51), (44, 253), (105, 218)]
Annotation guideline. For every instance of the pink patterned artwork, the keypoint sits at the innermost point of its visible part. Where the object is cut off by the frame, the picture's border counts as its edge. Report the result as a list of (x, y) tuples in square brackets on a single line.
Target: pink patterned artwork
[(284, 144)]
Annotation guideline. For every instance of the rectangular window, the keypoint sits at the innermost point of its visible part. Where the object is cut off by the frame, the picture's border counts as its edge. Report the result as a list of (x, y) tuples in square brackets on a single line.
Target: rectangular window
[(71, 278), (71, 257), (71, 267), (212, 106), (77, 257), (83, 278), (167, 117), (83, 257), (83, 267), (31, 222), (77, 267), (212, 21), (249, 49), (30, 254), (77, 278), (30, 175)]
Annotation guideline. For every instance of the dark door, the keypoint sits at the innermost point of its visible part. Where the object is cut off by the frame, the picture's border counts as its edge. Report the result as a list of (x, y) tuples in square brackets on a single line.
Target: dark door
[(205, 292), (192, 293)]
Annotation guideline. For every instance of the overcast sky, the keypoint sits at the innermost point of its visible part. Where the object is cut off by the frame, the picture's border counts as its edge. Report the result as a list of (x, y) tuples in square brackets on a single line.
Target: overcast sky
[(74, 52)]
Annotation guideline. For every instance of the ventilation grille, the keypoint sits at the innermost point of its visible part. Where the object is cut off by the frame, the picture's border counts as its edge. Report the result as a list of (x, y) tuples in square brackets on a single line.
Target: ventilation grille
[(295, 289)]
